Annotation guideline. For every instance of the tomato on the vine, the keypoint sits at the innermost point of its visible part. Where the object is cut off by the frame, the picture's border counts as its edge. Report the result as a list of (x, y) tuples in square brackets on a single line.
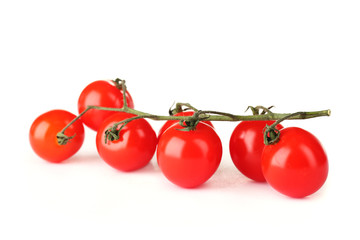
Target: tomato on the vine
[(135, 147), (169, 123), (297, 164), (43, 132), (189, 158), (246, 146), (101, 93)]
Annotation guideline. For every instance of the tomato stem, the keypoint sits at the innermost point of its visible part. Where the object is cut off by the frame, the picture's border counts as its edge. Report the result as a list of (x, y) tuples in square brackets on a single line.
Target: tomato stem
[(123, 86), (112, 133), (120, 84), (199, 115), (272, 134)]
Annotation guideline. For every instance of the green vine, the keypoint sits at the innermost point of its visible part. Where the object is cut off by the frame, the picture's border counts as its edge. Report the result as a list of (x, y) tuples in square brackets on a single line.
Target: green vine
[(189, 123)]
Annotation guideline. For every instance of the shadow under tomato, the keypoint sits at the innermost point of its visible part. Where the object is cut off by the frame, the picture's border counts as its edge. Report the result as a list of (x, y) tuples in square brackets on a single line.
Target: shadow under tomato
[(150, 168), (87, 159), (227, 177), (83, 158)]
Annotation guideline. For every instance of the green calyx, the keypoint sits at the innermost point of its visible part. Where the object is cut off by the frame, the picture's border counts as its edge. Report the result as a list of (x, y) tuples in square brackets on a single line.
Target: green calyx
[(256, 110), (62, 139), (271, 135), (119, 83)]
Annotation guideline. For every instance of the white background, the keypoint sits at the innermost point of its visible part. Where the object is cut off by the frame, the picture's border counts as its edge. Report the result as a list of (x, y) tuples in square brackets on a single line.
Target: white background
[(218, 55)]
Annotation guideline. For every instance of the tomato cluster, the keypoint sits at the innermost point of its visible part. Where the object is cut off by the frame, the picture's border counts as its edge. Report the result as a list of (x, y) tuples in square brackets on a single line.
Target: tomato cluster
[(295, 166)]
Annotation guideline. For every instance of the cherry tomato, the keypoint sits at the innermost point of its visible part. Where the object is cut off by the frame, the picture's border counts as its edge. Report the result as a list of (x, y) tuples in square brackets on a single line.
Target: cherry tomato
[(135, 147), (189, 158), (246, 146), (104, 94), (43, 133), (297, 164), (169, 123)]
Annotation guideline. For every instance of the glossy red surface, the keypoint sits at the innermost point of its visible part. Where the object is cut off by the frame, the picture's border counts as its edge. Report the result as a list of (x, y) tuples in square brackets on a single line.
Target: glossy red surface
[(104, 94), (189, 158), (135, 147), (297, 165), (43, 133), (246, 146)]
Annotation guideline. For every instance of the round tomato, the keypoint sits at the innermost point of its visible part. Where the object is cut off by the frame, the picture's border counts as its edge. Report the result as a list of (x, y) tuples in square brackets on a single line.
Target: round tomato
[(189, 158), (43, 133), (135, 147), (169, 123), (296, 165), (246, 146), (104, 94)]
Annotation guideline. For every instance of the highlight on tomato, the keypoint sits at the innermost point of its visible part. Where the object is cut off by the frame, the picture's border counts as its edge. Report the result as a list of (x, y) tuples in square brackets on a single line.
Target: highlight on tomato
[(169, 123), (246, 146), (101, 93), (296, 165), (135, 147), (189, 158), (43, 135)]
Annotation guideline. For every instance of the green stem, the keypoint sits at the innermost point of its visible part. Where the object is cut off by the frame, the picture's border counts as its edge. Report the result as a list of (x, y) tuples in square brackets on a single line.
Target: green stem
[(120, 84), (123, 86), (198, 116), (211, 116), (112, 133), (272, 134)]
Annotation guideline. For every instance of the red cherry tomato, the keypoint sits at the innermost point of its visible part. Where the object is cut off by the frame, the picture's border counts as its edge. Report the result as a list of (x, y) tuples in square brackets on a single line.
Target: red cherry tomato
[(296, 165), (135, 147), (246, 147), (189, 158), (43, 133), (104, 94), (169, 123)]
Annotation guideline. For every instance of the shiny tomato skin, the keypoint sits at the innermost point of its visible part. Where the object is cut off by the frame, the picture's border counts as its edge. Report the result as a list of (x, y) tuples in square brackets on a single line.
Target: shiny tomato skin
[(43, 133), (135, 147), (246, 146), (169, 123), (101, 93), (297, 165), (189, 158)]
